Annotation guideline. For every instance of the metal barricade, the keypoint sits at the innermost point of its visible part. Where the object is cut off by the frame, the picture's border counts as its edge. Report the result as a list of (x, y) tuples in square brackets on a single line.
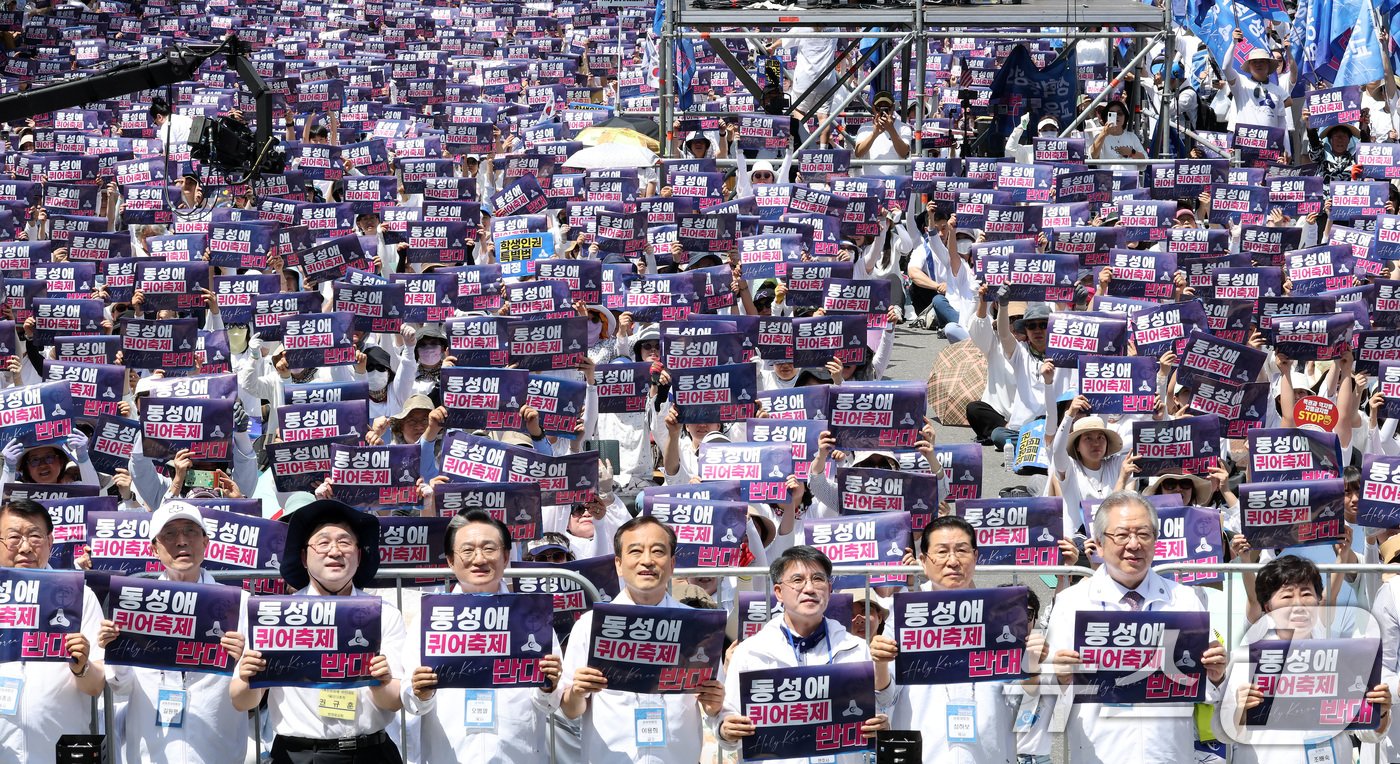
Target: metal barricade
[(399, 575)]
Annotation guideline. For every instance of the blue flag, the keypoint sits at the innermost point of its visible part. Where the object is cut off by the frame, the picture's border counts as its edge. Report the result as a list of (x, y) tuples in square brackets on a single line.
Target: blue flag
[(685, 72), (1361, 63)]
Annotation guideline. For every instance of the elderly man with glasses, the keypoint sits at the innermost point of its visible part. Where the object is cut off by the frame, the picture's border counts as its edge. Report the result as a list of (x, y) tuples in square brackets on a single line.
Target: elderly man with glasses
[(804, 636), (949, 560), (503, 725), (1125, 527), (41, 700)]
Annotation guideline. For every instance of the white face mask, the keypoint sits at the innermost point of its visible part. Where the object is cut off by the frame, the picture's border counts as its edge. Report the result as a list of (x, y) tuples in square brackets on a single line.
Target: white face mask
[(595, 332), (430, 356), (378, 380), (1049, 132), (964, 246)]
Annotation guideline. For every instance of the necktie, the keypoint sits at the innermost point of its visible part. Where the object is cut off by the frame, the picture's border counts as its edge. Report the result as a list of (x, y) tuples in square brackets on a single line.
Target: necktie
[(1133, 600)]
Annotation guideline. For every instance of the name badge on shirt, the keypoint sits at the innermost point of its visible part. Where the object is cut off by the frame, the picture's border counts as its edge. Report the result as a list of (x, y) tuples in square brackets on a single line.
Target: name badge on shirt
[(651, 726), (10, 687), (337, 704), (170, 708), (1320, 752), (480, 709), (962, 722)]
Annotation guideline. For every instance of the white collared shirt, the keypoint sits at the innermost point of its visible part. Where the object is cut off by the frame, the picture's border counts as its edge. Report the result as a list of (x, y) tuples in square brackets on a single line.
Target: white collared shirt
[(520, 735), (293, 710), (609, 723), (1098, 733), (211, 730), (50, 703)]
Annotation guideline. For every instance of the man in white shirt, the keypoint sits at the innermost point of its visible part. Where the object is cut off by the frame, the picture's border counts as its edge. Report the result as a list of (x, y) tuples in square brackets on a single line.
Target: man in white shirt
[(210, 728), (1125, 528), (332, 550), (50, 699), (887, 137), (949, 560), (513, 726), (1024, 359), (646, 556), (803, 636)]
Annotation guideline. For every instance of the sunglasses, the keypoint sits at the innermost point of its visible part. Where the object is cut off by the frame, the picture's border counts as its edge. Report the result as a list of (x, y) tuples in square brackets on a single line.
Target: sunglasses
[(1036, 324), (375, 367), (1172, 484), (763, 176), (578, 510)]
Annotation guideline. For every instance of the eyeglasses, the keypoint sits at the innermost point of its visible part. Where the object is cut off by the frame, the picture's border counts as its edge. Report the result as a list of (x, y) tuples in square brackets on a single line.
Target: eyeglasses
[(487, 551), (649, 345), (14, 540), (964, 552), (819, 580), (1121, 538), (36, 461), (1036, 324), (323, 546), (179, 533), (555, 556)]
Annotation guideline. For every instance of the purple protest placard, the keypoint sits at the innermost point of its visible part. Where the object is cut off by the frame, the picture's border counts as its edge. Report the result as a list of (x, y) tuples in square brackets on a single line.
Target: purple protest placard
[(159, 344), (962, 469), (762, 469), (484, 398), (1163, 329), (202, 425), (878, 415), (570, 600), (1119, 384), (1380, 492), (709, 534), (41, 608), (818, 339), (55, 317), (97, 389), (1187, 445), (800, 434), (1015, 531), (375, 476), (1315, 684), (118, 541), (36, 414), (1292, 512), (1142, 657), (1192, 535), (323, 419), (864, 489), (1042, 277), (240, 541), (808, 711), (1287, 453), (865, 539), (956, 636), (485, 642), (660, 650), (326, 642), (547, 345), (560, 403), (1070, 335), (716, 394), (113, 440), (171, 626), (318, 339), (622, 388), (1211, 358)]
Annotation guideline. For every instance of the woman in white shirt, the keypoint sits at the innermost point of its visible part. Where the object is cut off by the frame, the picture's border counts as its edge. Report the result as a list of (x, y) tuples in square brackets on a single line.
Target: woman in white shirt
[(1116, 140), (1086, 454)]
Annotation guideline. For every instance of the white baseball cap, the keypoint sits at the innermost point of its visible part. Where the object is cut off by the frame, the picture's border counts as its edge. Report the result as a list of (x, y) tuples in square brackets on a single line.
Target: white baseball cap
[(171, 511)]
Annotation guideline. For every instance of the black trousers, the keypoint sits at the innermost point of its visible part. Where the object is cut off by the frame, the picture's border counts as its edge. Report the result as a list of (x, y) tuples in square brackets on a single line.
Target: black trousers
[(383, 753), (982, 418)]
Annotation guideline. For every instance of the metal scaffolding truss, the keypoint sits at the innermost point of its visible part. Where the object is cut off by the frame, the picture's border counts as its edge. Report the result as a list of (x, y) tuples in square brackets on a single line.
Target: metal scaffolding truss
[(907, 32)]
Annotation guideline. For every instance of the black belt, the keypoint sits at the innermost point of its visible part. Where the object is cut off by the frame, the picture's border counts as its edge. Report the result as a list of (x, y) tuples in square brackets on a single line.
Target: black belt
[(361, 743)]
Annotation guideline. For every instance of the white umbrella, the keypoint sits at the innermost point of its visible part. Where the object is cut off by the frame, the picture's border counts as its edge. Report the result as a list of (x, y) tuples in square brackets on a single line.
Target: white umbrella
[(611, 156)]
